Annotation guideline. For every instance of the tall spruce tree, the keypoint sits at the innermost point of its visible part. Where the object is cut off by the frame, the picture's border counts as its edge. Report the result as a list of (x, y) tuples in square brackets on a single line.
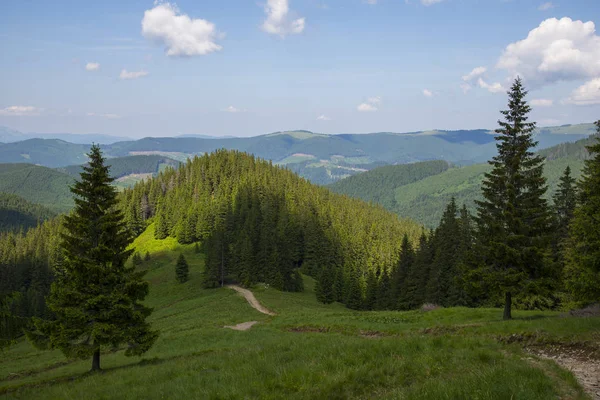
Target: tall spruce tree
[(565, 200), (95, 297), (582, 268), (513, 217)]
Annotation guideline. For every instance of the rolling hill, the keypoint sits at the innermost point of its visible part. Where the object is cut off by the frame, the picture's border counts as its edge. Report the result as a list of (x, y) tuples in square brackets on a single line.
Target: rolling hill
[(39, 185), (17, 213), (321, 158), (425, 199)]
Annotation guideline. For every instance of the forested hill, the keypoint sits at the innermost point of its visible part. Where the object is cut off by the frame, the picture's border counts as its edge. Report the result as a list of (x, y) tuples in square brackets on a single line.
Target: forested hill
[(417, 192), (262, 223), (17, 213), (319, 157), (39, 185)]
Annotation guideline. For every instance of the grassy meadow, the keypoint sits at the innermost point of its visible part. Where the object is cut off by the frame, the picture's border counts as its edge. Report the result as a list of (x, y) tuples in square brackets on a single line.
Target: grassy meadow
[(307, 351)]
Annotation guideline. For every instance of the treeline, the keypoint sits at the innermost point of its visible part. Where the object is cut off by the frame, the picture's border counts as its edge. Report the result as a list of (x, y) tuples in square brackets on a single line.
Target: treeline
[(17, 213), (262, 223), (27, 261)]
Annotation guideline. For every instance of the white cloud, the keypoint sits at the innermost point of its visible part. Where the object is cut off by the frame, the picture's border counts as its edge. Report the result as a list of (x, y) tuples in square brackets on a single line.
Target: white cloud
[(232, 109), (366, 107), (92, 66), (108, 116), (557, 50), (465, 87), (323, 118), (278, 22), (182, 35), (20, 111), (427, 93), (132, 75), (430, 2), (546, 6), (476, 73), (587, 94), (494, 87), (542, 102), (370, 105)]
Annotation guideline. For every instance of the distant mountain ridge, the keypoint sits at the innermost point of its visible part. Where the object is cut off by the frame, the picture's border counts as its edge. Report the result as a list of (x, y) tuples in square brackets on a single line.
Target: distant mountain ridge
[(321, 158), (8, 135)]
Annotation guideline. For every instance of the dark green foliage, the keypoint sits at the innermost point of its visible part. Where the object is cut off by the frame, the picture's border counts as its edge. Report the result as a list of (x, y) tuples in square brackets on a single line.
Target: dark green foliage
[(182, 270), (137, 259), (513, 218), (583, 246), (95, 298), (402, 276), (324, 289), (17, 213), (196, 248), (260, 223), (565, 200)]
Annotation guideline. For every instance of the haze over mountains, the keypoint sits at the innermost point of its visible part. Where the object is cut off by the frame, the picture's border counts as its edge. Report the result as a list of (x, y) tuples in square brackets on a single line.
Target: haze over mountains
[(321, 158)]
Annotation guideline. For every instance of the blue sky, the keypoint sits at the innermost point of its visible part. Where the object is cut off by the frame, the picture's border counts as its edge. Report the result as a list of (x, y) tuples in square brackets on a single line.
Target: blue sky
[(243, 67)]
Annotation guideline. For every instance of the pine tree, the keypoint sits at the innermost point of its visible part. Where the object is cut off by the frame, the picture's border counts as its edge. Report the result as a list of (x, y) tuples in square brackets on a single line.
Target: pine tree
[(324, 287), (147, 256), (136, 259), (95, 297), (582, 268), (513, 219), (181, 269), (565, 200), (402, 275)]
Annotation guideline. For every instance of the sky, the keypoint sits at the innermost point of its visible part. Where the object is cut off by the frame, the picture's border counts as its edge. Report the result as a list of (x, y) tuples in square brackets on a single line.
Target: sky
[(243, 67)]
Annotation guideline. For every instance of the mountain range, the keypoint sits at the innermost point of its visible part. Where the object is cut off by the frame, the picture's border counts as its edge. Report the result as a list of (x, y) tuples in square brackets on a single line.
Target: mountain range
[(321, 158)]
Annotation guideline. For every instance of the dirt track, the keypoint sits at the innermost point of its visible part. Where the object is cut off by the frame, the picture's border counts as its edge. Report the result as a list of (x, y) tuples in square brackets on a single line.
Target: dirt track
[(249, 296)]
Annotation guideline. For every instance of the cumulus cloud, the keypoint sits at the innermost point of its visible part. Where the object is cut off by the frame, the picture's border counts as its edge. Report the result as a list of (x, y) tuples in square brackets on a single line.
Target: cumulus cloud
[(132, 75), (370, 105), (323, 118), (491, 87), (20, 111), (278, 21), (542, 102), (232, 109), (476, 73), (92, 66), (557, 50), (430, 2), (546, 6), (427, 93), (587, 94), (180, 34)]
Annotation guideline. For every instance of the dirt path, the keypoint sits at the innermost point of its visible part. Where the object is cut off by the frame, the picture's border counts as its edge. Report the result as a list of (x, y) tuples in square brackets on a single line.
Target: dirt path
[(249, 296), (244, 326), (585, 369)]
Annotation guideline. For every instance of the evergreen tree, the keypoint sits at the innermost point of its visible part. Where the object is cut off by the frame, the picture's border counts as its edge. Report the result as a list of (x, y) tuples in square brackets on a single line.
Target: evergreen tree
[(582, 268), (324, 287), (181, 269), (513, 218), (402, 274), (147, 256), (95, 297), (137, 259), (565, 200)]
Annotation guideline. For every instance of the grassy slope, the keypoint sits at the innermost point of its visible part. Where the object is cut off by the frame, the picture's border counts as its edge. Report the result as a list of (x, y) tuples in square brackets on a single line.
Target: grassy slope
[(308, 351), (36, 184)]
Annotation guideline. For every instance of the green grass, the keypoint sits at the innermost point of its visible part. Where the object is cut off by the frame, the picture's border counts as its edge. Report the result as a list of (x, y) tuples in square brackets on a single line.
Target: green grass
[(308, 351)]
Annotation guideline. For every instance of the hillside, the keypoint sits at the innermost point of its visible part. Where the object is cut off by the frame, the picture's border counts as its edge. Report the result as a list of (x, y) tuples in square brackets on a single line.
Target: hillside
[(17, 213), (321, 158), (39, 185), (310, 350), (8, 135), (425, 199)]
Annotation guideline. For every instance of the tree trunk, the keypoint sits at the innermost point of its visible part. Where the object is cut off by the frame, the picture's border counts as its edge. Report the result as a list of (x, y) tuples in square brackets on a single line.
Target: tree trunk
[(507, 306), (96, 360)]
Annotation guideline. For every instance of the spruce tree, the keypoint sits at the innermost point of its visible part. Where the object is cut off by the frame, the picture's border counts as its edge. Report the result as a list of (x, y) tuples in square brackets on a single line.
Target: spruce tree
[(402, 274), (513, 218), (564, 204), (147, 256), (181, 269), (324, 287), (582, 268), (95, 297)]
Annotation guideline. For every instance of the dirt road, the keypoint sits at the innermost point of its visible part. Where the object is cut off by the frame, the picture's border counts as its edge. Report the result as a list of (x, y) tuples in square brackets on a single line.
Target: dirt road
[(249, 296)]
